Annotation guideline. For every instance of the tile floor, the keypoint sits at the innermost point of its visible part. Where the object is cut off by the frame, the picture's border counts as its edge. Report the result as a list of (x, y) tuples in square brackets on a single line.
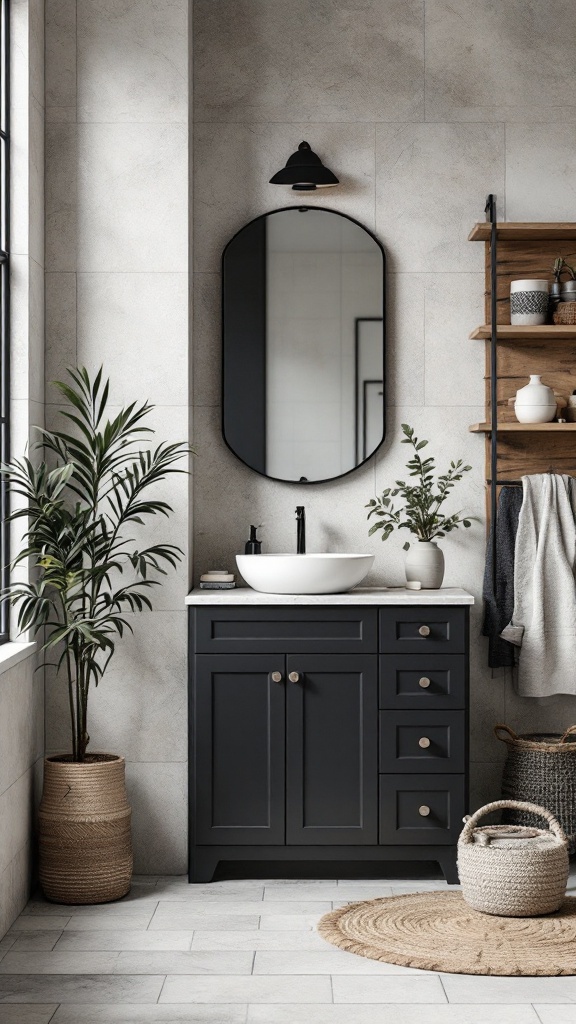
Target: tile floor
[(239, 952)]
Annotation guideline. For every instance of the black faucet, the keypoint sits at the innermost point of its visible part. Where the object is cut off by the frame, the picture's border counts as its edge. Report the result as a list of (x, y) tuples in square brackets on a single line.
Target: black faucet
[(301, 530)]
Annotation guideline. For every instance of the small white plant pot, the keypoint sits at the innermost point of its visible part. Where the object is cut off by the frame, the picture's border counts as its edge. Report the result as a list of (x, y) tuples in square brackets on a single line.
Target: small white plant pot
[(528, 302), (425, 564)]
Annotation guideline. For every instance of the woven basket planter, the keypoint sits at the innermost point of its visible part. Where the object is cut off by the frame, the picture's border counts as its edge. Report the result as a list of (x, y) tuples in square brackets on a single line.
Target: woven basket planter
[(542, 770), (565, 313), (512, 871), (84, 827)]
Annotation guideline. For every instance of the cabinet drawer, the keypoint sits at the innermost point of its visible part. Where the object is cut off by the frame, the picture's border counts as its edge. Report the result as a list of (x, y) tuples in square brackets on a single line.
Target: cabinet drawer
[(417, 810), (302, 630), (422, 741), (418, 681), (419, 630)]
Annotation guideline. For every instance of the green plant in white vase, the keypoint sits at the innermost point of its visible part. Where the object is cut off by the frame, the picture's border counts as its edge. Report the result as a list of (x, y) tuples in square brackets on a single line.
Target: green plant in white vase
[(422, 512)]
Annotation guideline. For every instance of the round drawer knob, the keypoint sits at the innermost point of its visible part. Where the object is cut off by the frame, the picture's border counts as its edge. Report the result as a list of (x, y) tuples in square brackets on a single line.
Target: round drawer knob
[(424, 682), (276, 677), (423, 811), (424, 742), (294, 677), (424, 630)]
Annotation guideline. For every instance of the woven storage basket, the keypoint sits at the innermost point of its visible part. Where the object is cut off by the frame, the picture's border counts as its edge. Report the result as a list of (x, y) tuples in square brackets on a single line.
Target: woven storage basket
[(84, 826), (565, 313), (541, 769), (510, 870)]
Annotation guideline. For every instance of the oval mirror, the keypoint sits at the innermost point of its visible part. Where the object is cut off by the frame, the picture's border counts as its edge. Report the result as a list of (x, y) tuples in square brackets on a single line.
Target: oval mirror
[(303, 344)]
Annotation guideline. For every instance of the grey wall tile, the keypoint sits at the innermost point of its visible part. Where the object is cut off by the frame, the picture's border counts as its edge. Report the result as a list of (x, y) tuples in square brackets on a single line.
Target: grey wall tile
[(158, 795), (359, 61), (454, 364), (61, 196), (149, 313), (249, 154), (207, 349), (499, 62), (540, 179), (60, 59), (21, 722), (431, 184), (147, 45), (60, 310), (132, 203), (15, 885)]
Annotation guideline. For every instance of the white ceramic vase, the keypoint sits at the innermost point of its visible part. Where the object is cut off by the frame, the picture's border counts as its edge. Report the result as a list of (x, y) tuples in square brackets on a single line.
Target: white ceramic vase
[(425, 564), (535, 403)]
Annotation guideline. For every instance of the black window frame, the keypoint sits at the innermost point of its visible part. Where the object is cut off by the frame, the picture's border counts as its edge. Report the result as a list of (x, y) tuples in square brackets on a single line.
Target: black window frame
[(4, 309)]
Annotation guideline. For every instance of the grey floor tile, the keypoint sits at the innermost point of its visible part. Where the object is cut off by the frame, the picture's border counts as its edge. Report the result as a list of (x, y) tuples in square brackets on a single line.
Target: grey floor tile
[(26, 1014), (79, 988), (59, 963), (44, 939), (554, 1014), (181, 915), (150, 879), (106, 922), (182, 890), (194, 962), (239, 989), (120, 939), (312, 891), (324, 961), (462, 988), (290, 922), (157, 1014), (390, 989), (362, 892), (207, 922), (6, 943), (392, 1013), (258, 939), (33, 923)]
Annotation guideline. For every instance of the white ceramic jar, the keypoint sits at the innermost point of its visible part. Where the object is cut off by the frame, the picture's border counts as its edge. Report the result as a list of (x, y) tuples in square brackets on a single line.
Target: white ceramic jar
[(535, 403), (528, 302), (425, 564)]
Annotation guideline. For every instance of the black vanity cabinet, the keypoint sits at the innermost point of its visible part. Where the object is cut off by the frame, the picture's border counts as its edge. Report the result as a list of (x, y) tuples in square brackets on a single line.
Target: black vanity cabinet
[(334, 733)]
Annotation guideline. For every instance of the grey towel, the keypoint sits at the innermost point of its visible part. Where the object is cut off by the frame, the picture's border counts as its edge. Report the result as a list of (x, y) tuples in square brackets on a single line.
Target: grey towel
[(499, 603), (543, 621)]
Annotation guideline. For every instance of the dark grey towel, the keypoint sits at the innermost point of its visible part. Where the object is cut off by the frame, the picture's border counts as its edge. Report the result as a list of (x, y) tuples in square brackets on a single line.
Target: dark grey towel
[(499, 604)]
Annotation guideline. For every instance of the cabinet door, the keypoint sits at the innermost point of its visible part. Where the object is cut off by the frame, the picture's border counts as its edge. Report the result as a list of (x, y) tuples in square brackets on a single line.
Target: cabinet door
[(239, 749), (331, 749)]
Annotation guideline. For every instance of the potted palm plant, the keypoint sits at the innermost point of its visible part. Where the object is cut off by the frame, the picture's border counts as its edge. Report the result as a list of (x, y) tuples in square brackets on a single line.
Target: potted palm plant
[(422, 513), (80, 509)]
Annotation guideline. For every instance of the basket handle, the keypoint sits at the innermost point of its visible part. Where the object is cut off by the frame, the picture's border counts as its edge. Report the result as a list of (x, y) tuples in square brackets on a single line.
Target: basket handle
[(520, 805), (569, 732), (505, 728)]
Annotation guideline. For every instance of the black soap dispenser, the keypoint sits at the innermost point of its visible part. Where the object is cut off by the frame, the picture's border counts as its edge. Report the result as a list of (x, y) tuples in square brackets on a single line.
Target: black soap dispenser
[(253, 546)]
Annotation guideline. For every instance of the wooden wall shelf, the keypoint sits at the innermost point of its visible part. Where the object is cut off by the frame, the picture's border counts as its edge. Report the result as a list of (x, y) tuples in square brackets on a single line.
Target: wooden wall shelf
[(524, 231), (518, 428), (510, 332)]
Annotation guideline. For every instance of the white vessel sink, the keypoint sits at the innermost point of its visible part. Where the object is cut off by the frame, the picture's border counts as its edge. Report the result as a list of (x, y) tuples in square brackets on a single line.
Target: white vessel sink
[(304, 574)]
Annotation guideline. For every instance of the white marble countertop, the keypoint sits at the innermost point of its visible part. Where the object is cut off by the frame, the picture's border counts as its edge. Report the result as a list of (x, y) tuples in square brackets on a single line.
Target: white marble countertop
[(360, 595)]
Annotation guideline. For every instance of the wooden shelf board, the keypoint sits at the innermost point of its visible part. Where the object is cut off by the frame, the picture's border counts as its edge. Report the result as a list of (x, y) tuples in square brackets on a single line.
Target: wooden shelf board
[(524, 231), (514, 428), (512, 332)]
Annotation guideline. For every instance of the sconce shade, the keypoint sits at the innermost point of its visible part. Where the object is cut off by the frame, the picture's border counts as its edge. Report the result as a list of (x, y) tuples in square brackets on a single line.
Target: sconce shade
[(304, 171)]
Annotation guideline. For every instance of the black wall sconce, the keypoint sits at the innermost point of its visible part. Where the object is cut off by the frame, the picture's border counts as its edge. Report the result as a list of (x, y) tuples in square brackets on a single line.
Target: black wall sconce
[(304, 171)]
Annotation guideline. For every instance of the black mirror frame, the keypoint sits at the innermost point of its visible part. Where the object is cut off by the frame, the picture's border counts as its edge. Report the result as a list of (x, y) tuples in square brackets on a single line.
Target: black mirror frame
[(224, 364)]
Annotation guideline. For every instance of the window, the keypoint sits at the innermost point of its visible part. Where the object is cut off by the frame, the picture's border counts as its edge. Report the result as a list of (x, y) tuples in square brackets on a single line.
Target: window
[(4, 306)]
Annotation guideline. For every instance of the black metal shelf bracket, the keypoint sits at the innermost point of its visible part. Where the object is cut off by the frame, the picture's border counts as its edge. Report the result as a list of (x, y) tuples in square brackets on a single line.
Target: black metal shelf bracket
[(490, 211)]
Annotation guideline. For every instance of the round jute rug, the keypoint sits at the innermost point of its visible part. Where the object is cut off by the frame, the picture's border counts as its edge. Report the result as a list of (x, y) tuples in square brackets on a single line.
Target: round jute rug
[(438, 931)]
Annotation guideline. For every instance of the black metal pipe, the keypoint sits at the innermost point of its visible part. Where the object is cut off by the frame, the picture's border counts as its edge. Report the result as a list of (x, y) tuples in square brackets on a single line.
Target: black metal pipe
[(491, 216)]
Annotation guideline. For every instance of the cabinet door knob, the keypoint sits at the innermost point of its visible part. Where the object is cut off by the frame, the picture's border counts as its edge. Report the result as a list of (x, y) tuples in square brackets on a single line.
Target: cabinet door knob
[(424, 630), (423, 811), (294, 677), (276, 677), (424, 682), (424, 742)]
